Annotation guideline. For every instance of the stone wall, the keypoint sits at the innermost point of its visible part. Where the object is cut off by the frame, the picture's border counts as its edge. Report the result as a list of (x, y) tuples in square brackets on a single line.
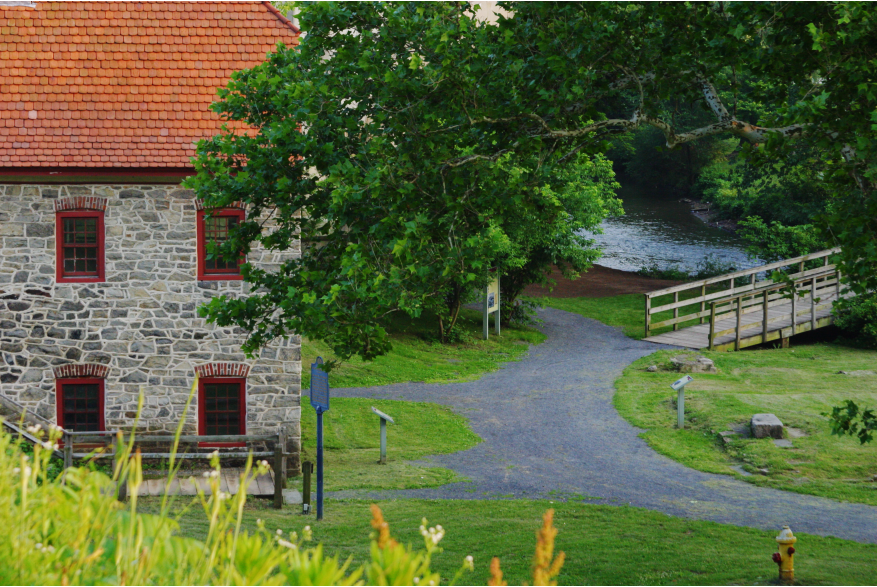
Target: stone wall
[(141, 324)]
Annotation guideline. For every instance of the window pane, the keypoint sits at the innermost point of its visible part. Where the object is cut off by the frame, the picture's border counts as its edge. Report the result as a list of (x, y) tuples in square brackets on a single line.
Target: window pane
[(222, 408), (81, 407)]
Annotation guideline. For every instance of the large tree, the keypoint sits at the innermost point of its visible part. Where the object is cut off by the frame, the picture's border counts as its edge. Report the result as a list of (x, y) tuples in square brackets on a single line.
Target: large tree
[(404, 142)]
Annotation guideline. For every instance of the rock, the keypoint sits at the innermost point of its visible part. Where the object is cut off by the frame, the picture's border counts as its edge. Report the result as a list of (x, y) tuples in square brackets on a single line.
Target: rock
[(727, 436), (795, 432), (652, 368), (766, 426), (693, 364), (763, 471), (783, 443)]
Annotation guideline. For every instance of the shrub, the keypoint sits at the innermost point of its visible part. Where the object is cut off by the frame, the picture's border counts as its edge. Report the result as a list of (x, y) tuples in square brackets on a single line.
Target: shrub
[(857, 319), (72, 530)]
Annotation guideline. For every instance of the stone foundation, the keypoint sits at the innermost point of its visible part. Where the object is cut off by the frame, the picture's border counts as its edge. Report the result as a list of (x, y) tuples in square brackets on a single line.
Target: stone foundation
[(140, 327)]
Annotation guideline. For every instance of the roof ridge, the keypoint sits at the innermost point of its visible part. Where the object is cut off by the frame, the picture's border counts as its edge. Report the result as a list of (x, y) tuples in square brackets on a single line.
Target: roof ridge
[(280, 17)]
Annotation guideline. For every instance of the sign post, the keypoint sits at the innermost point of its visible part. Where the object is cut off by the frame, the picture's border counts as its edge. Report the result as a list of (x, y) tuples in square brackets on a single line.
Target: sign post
[(320, 402), (679, 386), (384, 419), (491, 305)]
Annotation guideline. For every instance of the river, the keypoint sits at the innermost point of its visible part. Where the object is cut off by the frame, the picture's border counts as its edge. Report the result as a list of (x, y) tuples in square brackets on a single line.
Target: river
[(658, 229)]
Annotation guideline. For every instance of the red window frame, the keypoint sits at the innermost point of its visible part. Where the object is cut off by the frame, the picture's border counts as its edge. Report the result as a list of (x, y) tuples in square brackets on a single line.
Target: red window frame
[(204, 274), (60, 275), (202, 407), (59, 399)]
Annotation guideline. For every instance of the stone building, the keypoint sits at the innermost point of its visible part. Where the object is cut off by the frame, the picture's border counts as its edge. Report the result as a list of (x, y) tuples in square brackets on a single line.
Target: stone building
[(103, 262)]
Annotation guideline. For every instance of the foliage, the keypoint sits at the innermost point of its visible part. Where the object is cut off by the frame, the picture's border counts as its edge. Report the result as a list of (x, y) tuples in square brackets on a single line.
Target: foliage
[(775, 241), (848, 419), (403, 141), (72, 530), (359, 149), (537, 242), (797, 384), (789, 191), (521, 312), (857, 319)]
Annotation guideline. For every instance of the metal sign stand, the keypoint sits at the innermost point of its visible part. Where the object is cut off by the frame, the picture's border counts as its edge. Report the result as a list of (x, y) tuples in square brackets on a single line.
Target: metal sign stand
[(384, 419), (320, 402), (679, 386), (491, 305)]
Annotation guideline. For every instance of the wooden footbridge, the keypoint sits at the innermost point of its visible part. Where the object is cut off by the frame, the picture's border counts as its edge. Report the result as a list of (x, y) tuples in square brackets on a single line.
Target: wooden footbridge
[(746, 308)]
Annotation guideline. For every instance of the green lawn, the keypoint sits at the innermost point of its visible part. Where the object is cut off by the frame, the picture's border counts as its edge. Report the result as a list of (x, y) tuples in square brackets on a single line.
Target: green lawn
[(625, 311), (604, 545), (417, 356), (798, 385), (352, 443)]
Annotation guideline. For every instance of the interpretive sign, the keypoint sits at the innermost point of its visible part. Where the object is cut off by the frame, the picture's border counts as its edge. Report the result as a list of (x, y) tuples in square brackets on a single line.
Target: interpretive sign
[(319, 387), (491, 303), (320, 402), (384, 419), (679, 386)]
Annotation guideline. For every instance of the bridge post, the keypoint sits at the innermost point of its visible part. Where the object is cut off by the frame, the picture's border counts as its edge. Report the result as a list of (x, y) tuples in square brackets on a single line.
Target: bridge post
[(813, 304), (794, 307), (702, 303), (712, 323), (648, 309), (764, 311), (739, 323), (675, 310)]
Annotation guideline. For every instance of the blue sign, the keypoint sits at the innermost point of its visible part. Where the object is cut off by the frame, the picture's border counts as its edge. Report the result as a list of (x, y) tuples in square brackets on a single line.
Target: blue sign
[(319, 387)]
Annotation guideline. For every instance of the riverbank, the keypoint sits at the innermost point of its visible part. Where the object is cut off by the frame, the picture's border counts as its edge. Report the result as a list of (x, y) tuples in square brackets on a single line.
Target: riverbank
[(704, 212), (598, 282)]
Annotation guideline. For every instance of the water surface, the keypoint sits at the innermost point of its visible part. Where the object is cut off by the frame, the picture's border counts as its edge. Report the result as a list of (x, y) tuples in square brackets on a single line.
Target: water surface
[(658, 229)]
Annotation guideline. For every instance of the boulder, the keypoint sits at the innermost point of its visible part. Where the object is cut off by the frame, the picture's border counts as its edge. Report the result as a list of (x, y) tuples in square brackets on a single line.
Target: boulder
[(766, 426), (693, 364), (652, 369)]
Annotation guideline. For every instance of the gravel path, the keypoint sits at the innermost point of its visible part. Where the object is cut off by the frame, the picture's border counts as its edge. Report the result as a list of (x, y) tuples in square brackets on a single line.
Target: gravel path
[(550, 431)]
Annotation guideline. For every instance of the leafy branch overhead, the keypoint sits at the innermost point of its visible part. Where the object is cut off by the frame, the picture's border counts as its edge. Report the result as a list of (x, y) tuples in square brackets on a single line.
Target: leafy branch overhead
[(412, 146)]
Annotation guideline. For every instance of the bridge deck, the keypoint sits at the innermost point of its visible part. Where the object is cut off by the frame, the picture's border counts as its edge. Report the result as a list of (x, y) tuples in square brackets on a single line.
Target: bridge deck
[(230, 482), (751, 333)]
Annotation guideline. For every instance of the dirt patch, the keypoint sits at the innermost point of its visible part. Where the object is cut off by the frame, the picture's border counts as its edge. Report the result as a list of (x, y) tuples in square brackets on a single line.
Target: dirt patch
[(599, 282)]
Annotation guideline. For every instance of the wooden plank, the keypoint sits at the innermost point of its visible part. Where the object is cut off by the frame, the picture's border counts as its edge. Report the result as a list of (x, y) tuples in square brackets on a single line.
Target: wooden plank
[(234, 481), (172, 488), (187, 487), (265, 485)]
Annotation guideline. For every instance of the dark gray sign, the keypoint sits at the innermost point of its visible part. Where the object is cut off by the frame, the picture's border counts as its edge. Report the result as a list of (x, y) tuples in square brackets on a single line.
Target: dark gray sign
[(319, 387)]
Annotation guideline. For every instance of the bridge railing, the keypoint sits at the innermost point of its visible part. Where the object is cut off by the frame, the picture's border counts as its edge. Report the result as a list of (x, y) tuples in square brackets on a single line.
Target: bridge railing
[(225, 446), (810, 291), (673, 306)]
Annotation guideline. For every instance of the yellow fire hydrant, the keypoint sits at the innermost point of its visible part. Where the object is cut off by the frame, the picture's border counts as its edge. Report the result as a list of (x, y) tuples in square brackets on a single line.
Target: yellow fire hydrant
[(785, 555)]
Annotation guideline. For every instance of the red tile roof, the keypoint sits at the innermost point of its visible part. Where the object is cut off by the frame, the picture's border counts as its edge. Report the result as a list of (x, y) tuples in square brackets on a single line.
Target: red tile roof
[(122, 84)]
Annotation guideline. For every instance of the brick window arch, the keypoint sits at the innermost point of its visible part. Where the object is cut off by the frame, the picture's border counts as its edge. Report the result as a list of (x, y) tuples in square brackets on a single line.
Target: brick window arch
[(214, 226), (79, 396), (79, 239)]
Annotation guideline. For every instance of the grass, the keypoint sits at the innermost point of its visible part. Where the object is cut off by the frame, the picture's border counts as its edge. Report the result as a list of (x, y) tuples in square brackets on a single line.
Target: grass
[(799, 385), (417, 356), (352, 443), (604, 545), (625, 311)]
